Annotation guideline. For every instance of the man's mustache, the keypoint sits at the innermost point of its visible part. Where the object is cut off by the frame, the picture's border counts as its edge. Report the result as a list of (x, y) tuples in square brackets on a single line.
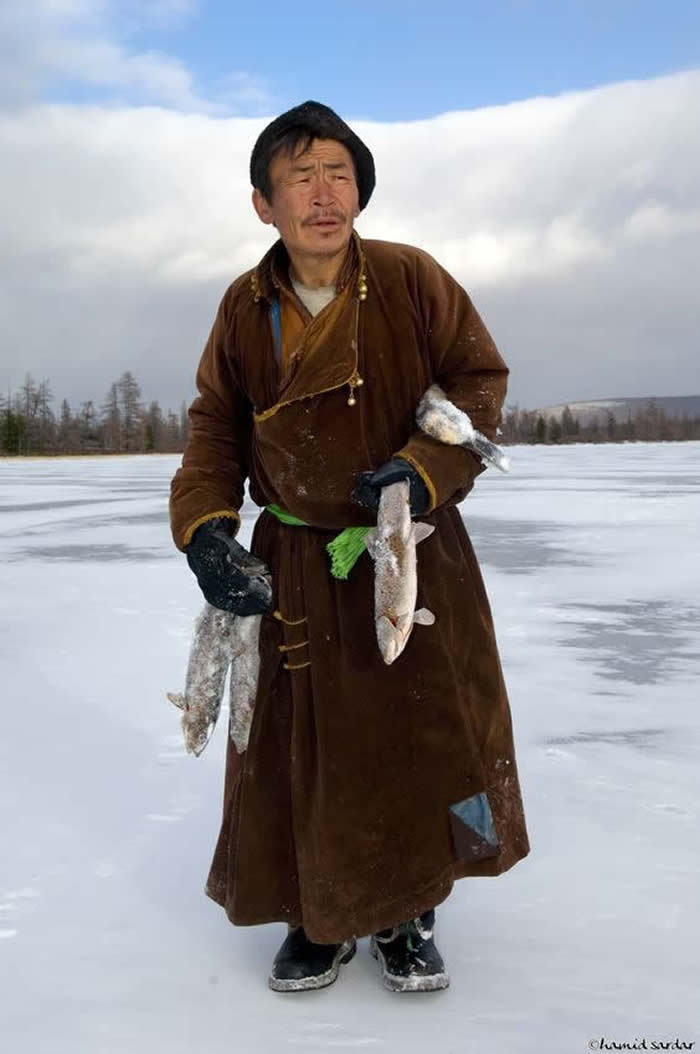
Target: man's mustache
[(330, 216)]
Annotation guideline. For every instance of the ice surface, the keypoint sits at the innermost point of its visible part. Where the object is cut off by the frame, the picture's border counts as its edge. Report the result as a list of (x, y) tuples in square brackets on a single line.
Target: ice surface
[(109, 944)]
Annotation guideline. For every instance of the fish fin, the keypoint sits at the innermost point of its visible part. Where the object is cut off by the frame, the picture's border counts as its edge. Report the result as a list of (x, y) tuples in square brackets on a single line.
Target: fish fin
[(423, 617), (422, 530), (177, 699), (371, 540)]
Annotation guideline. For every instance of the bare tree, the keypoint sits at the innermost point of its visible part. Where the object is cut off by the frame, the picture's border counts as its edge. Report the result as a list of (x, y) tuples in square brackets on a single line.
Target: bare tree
[(45, 417), (569, 424), (89, 437), (111, 420), (541, 430), (27, 406), (67, 432), (131, 411), (172, 433), (154, 428)]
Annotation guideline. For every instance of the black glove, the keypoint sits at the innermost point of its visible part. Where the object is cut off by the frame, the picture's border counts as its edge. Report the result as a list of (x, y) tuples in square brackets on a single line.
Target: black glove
[(369, 485), (230, 577)]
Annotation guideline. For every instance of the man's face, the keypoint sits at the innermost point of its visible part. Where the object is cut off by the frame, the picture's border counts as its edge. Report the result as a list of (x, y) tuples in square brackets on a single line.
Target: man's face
[(314, 198)]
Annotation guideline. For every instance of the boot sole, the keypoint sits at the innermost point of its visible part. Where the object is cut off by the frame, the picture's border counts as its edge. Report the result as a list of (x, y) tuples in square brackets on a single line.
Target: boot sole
[(300, 984), (415, 983)]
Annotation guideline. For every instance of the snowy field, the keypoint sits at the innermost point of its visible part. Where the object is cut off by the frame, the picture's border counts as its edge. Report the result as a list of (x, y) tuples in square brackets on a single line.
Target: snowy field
[(107, 941)]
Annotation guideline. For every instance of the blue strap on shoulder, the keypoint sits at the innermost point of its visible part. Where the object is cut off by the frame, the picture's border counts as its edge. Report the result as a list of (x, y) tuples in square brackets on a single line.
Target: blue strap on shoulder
[(277, 328)]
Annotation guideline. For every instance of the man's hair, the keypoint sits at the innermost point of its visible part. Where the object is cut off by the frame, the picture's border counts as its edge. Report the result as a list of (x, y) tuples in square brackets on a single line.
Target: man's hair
[(296, 139), (295, 131)]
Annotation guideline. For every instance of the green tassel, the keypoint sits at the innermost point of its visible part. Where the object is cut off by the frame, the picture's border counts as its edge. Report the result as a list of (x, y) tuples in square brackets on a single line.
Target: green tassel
[(345, 550)]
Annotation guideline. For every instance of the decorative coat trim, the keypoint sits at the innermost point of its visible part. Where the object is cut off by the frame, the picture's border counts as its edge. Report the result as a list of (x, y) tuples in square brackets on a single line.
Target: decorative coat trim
[(278, 615), (424, 476), (354, 380), (187, 537), (265, 283)]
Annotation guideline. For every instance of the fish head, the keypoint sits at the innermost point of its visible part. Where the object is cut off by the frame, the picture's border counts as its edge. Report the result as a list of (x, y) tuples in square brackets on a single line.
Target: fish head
[(197, 727), (392, 635)]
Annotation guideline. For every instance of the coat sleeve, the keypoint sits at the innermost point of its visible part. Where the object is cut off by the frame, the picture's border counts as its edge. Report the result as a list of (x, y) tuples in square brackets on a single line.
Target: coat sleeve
[(466, 364), (211, 479)]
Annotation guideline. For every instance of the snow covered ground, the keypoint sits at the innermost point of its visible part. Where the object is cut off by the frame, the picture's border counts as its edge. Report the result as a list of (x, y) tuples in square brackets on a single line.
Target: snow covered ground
[(107, 941)]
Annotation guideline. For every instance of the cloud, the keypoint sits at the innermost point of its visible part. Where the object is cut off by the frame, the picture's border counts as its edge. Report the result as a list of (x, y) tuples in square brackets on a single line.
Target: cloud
[(573, 221), (51, 44)]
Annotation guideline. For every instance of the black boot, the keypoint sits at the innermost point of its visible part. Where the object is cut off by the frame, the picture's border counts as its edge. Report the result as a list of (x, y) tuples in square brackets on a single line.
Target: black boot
[(300, 963), (407, 954)]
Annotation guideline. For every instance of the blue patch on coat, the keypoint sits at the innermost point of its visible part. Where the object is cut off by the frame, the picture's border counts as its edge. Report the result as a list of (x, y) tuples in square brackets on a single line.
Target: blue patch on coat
[(475, 814), (276, 320)]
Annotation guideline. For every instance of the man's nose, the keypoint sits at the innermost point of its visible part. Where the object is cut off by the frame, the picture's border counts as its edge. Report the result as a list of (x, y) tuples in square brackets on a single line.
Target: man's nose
[(322, 193)]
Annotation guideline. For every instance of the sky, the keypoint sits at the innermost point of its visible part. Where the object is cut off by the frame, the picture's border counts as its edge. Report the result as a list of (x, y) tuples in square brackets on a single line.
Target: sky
[(546, 153)]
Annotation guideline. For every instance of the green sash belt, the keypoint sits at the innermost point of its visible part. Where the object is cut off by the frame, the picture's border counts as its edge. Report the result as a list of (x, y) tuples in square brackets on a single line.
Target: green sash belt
[(344, 550)]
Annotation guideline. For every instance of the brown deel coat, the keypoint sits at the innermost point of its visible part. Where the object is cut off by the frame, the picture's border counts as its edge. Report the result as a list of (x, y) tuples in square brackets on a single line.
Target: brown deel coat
[(337, 814)]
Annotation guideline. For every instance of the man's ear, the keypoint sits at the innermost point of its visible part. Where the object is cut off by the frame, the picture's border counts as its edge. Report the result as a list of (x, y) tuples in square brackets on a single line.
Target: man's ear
[(261, 206)]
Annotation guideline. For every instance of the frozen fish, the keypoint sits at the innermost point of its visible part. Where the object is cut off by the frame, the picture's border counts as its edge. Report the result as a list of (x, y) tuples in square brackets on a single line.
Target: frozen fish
[(392, 546), (221, 641), (439, 417)]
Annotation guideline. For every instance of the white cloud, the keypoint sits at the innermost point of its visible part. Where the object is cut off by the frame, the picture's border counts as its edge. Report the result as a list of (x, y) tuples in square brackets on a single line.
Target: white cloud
[(573, 221), (540, 186), (145, 75), (47, 43)]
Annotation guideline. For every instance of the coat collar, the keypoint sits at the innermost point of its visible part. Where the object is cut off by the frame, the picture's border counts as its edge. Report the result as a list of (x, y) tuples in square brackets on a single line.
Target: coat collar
[(273, 271)]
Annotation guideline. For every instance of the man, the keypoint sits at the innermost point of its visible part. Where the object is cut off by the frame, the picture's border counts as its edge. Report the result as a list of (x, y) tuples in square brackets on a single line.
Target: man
[(365, 790)]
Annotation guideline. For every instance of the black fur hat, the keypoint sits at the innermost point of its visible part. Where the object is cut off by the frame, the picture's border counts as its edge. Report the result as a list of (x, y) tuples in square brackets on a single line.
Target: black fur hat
[(319, 121)]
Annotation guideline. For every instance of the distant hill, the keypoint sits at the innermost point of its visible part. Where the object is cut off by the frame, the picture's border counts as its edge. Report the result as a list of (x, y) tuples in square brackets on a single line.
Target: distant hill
[(673, 406)]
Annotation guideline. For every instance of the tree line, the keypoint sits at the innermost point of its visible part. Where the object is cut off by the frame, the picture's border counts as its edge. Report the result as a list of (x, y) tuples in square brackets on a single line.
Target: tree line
[(648, 423), (121, 424)]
